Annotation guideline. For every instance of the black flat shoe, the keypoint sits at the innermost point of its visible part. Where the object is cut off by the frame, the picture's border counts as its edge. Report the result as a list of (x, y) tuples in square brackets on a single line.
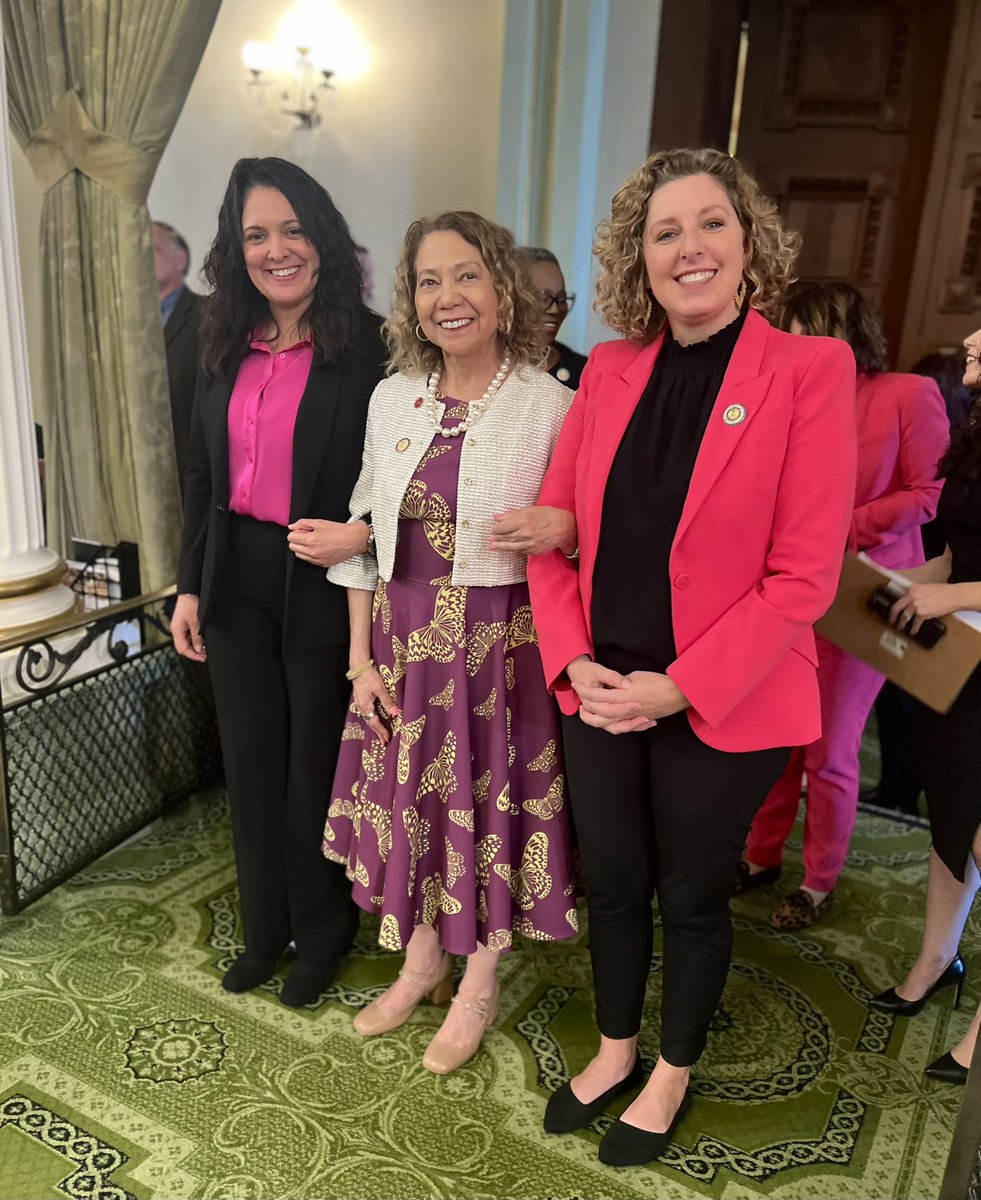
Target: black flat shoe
[(625, 1145), (565, 1114), (247, 973), (953, 975), (308, 982), (947, 1070), (748, 881)]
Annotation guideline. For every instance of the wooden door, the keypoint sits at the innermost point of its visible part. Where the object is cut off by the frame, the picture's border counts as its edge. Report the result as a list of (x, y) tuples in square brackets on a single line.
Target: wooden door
[(839, 114)]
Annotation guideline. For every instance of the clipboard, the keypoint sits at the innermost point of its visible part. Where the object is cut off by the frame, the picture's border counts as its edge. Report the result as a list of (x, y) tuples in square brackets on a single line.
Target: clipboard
[(935, 676)]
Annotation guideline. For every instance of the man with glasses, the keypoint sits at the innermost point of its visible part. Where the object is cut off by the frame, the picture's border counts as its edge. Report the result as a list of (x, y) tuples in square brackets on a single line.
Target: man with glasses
[(547, 279)]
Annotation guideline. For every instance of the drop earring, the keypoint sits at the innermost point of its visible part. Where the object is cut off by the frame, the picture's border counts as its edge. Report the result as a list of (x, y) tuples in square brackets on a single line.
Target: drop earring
[(648, 311), (740, 296)]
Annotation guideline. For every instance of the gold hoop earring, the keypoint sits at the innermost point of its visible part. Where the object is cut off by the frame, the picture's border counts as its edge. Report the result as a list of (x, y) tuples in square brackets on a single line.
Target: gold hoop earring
[(647, 312), (740, 296), (419, 334)]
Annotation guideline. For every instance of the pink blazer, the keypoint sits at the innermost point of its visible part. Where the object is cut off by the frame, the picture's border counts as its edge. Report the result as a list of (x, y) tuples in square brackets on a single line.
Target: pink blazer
[(903, 431), (758, 550)]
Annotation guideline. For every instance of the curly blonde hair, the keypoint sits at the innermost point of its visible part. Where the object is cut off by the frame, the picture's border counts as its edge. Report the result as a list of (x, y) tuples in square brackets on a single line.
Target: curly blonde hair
[(522, 333), (622, 291)]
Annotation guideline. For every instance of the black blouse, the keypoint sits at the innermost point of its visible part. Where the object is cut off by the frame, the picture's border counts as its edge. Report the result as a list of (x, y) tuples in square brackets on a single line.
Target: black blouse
[(645, 495), (959, 515)]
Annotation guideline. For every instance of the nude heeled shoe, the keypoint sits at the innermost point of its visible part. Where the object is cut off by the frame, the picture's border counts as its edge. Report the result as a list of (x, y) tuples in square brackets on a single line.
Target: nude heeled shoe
[(441, 1056), (437, 987)]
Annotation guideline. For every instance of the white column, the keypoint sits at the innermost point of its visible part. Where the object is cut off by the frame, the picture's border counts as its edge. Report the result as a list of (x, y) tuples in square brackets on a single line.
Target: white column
[(31, 587)]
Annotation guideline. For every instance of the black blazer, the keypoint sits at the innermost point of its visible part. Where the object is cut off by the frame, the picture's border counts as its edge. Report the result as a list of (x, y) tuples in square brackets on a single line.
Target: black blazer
[(182, 343), (328, 443)]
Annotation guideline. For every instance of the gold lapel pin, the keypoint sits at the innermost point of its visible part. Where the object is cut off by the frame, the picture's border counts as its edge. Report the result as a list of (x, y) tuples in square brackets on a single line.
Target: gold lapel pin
[(735, 414), (402, 445)]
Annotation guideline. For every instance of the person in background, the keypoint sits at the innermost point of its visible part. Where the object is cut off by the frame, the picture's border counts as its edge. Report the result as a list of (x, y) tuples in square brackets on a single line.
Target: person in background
[(709, 461), (547, 279), (900, 781), (291, 356), (448, 806), (902, 433), (180, 312), (949, 744)]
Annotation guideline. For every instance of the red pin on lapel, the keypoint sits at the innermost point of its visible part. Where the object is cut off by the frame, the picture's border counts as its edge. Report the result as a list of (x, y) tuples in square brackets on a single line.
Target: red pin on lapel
[(419, 403)]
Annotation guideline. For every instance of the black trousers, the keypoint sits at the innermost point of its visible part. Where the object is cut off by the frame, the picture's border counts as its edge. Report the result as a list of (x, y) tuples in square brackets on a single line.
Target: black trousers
[(900, 784), (661, 813), (280, 717)]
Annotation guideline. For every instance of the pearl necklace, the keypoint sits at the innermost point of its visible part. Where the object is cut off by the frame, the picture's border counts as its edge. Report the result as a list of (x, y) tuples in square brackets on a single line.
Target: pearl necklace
[(476, 408)]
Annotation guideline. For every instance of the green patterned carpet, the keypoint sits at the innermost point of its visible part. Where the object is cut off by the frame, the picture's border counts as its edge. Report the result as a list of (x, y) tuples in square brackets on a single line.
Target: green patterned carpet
[(125, 1070)]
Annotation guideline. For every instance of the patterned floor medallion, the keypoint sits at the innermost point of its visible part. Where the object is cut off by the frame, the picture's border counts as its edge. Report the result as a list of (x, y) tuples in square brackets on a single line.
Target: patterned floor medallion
[(175, 1051), (125, 1069)]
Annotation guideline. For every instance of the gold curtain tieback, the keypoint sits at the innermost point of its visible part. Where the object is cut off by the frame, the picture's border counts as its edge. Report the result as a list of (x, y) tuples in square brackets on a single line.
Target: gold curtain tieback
[(68, 141)]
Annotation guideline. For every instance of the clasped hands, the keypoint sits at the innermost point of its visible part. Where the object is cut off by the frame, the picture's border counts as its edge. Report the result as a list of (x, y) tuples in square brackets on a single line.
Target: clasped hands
[(623, 703)]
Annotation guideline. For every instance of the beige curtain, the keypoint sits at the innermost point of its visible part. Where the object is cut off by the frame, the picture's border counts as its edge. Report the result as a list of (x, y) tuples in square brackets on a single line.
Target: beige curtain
[(95, 87)]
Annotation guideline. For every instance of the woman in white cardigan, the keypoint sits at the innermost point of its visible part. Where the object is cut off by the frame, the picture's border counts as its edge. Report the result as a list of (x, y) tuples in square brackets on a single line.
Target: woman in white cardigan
[(448, 806)]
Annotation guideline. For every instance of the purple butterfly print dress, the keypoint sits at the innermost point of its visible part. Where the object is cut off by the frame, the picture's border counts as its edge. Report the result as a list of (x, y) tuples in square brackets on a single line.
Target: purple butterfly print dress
[(461, 821)]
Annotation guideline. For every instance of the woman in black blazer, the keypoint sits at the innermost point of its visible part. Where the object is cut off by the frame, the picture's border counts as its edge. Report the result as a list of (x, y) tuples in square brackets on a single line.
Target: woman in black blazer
[(291, 356)]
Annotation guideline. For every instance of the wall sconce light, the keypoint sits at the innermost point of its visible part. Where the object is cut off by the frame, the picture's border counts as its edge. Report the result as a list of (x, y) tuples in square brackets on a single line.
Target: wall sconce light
[(315, 46), (300, 89)]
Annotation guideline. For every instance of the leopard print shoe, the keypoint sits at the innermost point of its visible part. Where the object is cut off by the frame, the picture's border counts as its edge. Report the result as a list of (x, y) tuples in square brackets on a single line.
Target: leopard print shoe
[(799, 910)]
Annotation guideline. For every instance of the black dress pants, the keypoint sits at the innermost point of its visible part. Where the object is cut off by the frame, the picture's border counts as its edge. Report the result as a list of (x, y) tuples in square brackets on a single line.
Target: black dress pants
[(900, 784), (659, 812), (280, 717)]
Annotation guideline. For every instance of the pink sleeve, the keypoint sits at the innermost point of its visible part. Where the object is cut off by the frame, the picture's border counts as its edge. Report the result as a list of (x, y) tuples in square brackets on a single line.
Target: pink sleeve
[(924, 434), (553, 579)]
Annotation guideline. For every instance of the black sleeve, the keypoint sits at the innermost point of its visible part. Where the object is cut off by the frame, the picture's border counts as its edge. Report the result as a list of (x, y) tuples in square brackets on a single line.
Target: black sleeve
[(197, 496)]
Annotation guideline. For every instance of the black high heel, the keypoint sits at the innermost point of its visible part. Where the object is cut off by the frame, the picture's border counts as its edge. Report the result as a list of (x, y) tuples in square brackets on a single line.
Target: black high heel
[(947, 1069), (953, 975)]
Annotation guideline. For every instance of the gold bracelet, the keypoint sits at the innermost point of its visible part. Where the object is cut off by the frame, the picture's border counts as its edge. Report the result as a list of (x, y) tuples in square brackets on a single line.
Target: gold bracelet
[(359, 670)]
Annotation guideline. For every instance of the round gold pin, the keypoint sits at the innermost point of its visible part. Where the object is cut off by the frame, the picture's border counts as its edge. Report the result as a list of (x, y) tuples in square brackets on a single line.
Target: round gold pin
[(735, 414), (402, 445)]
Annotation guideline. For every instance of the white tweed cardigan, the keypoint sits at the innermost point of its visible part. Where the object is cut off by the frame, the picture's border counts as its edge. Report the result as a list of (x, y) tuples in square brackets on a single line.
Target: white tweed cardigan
[(502, 463)]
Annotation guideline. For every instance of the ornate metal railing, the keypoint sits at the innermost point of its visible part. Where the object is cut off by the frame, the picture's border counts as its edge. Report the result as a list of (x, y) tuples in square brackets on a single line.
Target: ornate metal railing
[(103, 728)]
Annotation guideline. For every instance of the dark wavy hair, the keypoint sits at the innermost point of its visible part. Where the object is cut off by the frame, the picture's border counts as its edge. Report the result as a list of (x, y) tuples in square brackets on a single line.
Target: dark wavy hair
[(237, 308), (837, 310), (948, 372), (963, 458)]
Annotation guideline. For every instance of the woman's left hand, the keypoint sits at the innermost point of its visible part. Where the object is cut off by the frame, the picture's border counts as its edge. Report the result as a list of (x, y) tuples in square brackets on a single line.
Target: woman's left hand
[(639, 704), (534, 530), (325, 543), (923, 601)]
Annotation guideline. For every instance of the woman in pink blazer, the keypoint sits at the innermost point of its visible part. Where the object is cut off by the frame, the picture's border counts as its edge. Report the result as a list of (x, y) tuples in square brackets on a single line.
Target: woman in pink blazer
[(902, 433), (710, 463)]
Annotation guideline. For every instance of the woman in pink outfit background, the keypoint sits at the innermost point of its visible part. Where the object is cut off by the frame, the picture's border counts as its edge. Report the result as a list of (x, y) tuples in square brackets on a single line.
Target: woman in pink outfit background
[(902, 433)]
